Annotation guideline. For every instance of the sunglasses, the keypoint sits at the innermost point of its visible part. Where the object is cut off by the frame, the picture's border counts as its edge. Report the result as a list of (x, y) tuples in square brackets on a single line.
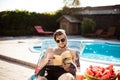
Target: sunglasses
[(62, 40)]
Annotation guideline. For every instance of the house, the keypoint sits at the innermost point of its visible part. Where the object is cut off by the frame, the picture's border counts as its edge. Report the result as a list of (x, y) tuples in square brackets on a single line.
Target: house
[(69, 23), (104, 17)]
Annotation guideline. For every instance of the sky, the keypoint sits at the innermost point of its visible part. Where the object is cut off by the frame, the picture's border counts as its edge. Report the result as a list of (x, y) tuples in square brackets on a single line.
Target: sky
[(48, 5)]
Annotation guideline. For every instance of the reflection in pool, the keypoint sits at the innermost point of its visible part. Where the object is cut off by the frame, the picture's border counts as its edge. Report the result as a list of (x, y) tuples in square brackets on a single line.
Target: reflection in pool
[(93, 51)]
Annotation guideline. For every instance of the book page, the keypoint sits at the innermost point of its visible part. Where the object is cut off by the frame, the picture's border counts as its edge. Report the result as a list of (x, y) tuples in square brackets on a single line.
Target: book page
[(57, 60)]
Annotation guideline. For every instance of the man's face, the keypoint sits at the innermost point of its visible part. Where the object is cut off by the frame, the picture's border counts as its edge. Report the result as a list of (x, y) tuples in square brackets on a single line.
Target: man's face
[(61, 41)]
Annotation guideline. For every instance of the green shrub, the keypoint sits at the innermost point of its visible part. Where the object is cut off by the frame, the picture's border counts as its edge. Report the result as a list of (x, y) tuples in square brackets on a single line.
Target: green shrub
[(87, 26), (21, 23)]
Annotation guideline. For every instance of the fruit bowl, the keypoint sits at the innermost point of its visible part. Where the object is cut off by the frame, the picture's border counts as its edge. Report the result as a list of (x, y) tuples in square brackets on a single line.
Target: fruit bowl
[(89, 77), (100, 73)]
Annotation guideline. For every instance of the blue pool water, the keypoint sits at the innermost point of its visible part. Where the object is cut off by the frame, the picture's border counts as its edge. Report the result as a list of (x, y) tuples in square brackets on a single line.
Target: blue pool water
[(102, 51)]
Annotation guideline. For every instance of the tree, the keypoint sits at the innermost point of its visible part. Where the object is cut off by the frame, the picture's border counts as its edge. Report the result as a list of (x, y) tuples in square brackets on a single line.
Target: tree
[(72, 3)]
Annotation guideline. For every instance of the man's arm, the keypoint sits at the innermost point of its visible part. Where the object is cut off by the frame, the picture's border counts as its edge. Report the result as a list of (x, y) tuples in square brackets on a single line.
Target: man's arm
[(77, 60), (42, 62), (73, 66), (45, 58)]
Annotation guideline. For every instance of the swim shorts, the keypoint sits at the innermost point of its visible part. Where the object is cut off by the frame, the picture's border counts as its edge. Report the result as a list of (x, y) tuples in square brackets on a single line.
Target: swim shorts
[(53, 72)]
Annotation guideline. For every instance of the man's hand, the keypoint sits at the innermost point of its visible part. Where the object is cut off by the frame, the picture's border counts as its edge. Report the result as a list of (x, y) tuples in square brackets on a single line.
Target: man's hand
[(70, 67), (49, 57)]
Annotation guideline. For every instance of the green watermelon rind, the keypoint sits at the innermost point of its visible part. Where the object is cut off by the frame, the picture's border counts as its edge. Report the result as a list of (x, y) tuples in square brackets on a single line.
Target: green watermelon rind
[(89, 77)]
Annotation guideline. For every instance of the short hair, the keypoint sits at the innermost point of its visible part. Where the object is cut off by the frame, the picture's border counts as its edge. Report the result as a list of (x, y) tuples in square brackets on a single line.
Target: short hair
[(59, 32)]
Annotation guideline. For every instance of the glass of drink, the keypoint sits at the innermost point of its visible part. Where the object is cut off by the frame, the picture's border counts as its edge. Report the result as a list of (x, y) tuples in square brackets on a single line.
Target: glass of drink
[(79, 76)]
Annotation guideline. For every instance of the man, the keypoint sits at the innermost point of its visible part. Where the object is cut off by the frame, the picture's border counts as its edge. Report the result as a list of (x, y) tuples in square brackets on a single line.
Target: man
[(64, 71)]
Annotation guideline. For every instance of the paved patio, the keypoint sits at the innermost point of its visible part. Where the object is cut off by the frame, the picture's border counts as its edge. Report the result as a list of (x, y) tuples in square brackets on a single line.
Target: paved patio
[(17, 49), (14, 71)]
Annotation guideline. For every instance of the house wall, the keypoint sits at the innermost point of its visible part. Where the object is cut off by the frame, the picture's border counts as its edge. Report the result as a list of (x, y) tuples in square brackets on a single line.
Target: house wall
[(103, 20), (73, 28), (70, 28), (64, 24), (104, 16)]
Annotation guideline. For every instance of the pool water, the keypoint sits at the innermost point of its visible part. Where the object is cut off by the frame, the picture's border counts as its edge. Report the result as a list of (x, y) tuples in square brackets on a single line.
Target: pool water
[(38, 48), (102, 51)]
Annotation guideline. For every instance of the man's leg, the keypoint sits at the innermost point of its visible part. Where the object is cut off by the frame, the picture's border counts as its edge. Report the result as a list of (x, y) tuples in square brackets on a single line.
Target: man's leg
[(41, 78), (66, 76)]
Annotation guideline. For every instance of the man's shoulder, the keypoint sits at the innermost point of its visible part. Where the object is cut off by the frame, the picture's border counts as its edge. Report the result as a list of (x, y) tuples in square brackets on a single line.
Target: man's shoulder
[(50, 49), (72, 50)]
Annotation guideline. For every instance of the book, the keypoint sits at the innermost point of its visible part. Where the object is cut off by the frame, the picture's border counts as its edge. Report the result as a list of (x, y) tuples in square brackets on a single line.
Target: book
[(65, 56)]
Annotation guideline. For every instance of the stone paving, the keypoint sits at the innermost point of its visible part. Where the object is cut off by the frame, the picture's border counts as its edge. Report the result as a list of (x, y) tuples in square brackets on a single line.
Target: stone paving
[(13, 71)]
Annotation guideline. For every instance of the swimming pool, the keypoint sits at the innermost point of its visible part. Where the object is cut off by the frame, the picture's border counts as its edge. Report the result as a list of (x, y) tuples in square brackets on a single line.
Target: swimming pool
[(103, 52)]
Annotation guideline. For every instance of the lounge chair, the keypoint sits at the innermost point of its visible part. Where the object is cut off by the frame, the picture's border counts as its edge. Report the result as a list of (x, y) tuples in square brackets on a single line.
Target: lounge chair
[(110, 33), (40, 30), (96, 34), (52, 44)]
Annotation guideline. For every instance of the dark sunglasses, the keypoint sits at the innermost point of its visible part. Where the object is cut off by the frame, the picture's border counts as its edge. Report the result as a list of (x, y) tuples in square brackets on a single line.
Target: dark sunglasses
[(62, 40)]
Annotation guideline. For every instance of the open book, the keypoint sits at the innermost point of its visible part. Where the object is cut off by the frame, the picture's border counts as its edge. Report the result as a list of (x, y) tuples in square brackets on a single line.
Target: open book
[(65, 56)]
